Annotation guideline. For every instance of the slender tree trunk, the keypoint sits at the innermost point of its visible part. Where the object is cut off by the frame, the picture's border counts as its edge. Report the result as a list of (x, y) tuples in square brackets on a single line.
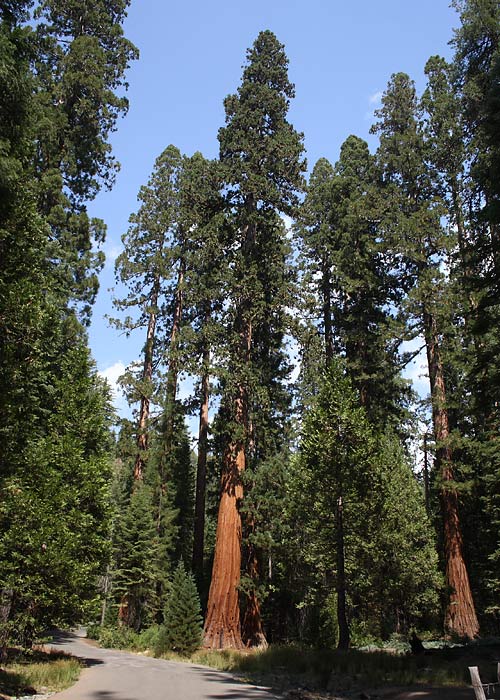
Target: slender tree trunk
[(201, 471), (426, 477), (147, 376), (344, 636), (222, 624), (460, 617)]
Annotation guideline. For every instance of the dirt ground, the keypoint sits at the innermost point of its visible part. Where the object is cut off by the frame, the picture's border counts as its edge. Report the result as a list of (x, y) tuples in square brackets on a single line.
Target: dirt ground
[(411, 693)]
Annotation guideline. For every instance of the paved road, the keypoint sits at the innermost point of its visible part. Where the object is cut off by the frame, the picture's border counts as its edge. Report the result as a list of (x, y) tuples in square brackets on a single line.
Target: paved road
[(119, 675)]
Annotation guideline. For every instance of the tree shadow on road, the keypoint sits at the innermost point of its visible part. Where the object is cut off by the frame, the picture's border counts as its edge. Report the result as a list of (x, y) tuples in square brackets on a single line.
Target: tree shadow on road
[(238, 691), (60, 637), (108, 695)]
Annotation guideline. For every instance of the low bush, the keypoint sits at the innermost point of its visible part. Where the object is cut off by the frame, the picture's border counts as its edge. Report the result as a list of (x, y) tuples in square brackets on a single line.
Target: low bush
[(149, 638), (118, 638)]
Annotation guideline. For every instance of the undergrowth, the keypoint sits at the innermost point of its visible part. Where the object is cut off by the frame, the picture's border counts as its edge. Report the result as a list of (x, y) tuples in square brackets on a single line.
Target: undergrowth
[(29, 672), (444, 664)]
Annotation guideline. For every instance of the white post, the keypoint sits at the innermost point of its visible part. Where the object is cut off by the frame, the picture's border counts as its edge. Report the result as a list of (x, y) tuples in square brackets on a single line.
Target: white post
[(476, 683)]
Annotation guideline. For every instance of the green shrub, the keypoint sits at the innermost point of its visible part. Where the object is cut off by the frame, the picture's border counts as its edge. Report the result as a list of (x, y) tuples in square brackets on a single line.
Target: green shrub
[(149, 638), (94, 631), (118, 638)]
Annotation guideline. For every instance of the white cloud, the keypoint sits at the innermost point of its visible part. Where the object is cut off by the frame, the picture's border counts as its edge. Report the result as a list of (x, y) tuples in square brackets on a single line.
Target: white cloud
[(374, 101), (111, 375), (375, 98), (112, 251), (416, 370)]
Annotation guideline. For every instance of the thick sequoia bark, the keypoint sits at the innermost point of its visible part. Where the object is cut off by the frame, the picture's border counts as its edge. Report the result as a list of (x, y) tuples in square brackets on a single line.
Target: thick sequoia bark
[(147, 375), (201, 473), (344, 636), (460, 617), (222, 623)]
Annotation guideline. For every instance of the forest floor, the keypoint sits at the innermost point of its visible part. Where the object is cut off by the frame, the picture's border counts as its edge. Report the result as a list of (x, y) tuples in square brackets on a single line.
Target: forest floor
[(375, 674), (305, 674), (415, 693), (36, 673)]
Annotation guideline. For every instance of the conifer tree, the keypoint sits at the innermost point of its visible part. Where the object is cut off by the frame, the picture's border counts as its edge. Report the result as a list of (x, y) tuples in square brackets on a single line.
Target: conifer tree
[(347, 279), (136, 545), (476, 66), (261, 157), (384, 575), (421, 244), (55, 411), (80, 60), (145, 266), (183, 623)]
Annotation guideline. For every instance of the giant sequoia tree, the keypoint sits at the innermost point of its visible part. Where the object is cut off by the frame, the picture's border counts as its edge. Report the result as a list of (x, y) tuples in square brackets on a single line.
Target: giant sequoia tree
[(261, 156), (422, 244), (476, 66)]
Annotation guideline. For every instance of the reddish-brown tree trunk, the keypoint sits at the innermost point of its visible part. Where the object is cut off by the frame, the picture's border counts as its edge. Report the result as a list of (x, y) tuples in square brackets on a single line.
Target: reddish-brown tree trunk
[(460, 617), (201, 472), (222, 623), (147, 375)]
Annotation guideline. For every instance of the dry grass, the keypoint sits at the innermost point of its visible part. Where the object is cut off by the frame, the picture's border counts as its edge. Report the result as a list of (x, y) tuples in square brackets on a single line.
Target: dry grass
[(37, 671), (290, 666)]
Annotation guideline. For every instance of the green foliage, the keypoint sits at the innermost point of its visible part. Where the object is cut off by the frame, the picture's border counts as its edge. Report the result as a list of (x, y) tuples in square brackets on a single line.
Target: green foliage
[(80, 58), (117, 637), (393, 245), (182, 625), (55, 410), (390, 560), (347, 284), (135, 560), (260, 151), (51, 562)]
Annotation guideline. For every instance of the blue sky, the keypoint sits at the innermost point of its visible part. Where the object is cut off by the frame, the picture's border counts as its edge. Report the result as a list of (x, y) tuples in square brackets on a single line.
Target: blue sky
[(341, 53)]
